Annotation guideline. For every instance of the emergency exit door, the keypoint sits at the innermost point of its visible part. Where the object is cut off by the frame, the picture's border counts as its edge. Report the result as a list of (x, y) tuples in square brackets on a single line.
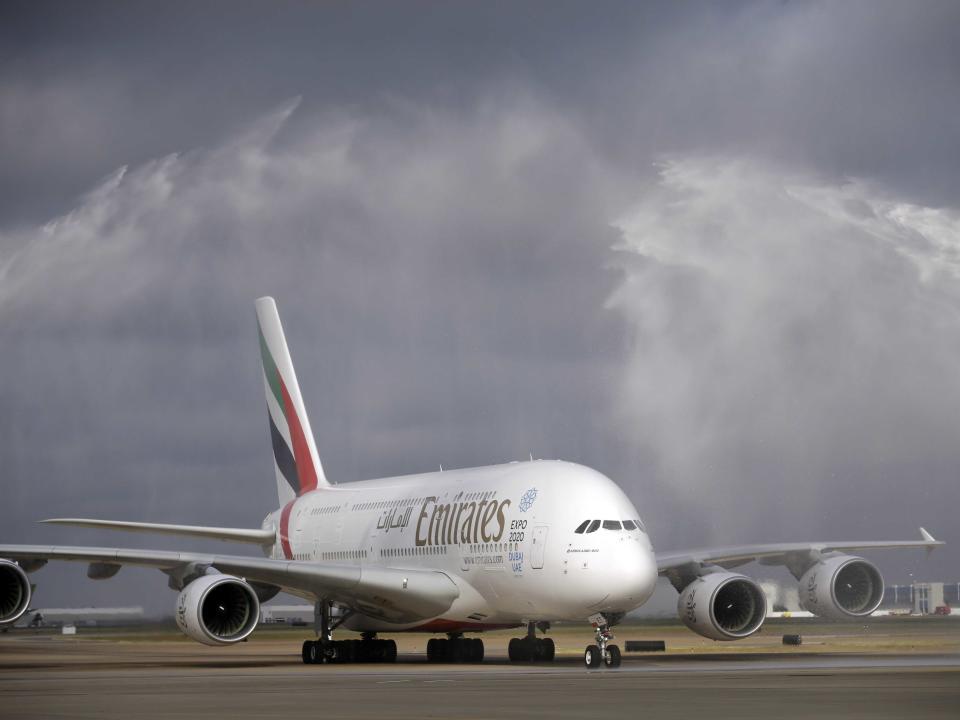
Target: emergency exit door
[(538, 543)]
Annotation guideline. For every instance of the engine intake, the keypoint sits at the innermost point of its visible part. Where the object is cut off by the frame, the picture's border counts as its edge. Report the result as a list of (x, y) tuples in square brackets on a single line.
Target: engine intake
[(218, 610), (14, 592), (841, 587), (722, 606)]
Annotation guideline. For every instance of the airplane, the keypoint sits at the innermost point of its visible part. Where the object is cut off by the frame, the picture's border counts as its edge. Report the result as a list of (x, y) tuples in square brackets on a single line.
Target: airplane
[(450, 553)]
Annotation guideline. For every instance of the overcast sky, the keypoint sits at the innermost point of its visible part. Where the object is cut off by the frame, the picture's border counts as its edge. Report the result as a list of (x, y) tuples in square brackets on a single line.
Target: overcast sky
[(712, 250)]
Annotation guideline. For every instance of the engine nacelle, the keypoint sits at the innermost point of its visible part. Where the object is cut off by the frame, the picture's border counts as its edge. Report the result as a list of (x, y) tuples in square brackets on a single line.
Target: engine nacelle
[(722, 606), (14, 592), (841, 587), (218, 610)]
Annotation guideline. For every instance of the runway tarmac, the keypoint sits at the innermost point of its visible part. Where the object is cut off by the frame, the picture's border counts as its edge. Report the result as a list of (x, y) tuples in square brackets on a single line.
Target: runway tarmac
[(51, 676)]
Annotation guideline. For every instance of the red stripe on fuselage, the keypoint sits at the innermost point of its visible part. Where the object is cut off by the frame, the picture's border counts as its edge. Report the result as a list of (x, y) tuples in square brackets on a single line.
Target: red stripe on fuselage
[(306, 472), (285, 530)]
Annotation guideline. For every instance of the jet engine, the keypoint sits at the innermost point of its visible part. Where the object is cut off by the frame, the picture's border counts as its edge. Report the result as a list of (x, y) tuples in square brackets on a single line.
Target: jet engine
[(841, 587), (14, 591), (218, 609), (722, 606)]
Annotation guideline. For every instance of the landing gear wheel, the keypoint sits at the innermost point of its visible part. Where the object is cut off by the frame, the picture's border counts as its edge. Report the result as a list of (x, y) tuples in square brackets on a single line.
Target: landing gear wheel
[(476, 647), (547, 650), (612, 659), (389, 651), (305, 651), (592, 657), (315, 653)]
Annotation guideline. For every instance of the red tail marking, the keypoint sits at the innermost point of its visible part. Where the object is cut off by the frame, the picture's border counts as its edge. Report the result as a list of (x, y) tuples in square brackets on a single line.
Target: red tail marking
[(306, 472), (285, 530)]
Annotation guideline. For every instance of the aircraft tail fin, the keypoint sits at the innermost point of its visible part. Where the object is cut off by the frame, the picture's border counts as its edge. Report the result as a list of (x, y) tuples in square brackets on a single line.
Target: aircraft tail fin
[(296, 461)]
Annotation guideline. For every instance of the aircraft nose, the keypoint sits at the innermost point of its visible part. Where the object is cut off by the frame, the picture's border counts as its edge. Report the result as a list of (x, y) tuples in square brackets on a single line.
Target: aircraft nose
[(635, 575)]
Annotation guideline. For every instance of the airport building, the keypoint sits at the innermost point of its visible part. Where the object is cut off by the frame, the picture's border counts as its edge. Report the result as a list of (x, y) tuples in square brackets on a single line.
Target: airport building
[(921, 598)]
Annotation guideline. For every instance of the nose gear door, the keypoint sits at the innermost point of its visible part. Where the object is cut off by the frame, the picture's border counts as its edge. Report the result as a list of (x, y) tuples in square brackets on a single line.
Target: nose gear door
[(538, 543)]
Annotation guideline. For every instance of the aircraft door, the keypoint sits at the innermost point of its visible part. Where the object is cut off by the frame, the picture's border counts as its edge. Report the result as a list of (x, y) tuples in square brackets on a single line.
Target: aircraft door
[(538, 544)]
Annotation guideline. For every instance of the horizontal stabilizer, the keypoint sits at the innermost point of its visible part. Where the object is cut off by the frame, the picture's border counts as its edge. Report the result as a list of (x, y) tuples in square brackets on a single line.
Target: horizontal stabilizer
[(256, 536)]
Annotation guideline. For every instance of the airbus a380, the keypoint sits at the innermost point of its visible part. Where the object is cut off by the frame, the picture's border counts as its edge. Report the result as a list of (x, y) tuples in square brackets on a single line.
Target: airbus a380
[(450, 553)]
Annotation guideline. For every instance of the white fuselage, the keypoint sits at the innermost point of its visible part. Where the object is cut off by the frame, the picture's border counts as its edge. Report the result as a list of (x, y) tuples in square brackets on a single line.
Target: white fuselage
[(505, 534)]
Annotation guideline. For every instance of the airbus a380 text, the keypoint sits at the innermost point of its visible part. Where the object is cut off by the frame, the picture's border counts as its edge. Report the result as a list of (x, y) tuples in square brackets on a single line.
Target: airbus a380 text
[(450, 553)]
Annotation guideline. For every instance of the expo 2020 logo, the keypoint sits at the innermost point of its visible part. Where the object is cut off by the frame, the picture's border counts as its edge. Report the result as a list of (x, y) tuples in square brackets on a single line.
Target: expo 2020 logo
[(527, 500)]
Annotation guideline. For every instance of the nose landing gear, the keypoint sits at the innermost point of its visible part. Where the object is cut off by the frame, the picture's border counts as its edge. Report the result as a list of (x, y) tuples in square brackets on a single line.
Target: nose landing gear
[(603, 651)]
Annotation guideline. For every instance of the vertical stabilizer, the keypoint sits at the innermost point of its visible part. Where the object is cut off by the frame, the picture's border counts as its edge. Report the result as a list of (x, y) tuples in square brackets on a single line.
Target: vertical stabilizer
[(294, 451)]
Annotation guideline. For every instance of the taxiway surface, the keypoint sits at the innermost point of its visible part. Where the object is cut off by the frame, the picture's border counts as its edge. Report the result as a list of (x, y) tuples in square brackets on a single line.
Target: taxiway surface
[(49, 676)]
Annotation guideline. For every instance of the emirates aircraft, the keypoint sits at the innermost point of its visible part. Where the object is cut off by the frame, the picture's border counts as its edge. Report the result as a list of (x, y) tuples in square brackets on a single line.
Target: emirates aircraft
[(518, 545)]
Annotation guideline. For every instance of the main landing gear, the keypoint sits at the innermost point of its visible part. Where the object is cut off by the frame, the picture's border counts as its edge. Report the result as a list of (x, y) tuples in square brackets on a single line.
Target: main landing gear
[(455, 648), (602, 652), (328, 650), (531, 648), (368, 650)]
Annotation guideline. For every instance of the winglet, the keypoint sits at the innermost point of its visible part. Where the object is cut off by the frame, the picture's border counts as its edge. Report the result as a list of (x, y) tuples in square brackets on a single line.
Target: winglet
[(927, 536)]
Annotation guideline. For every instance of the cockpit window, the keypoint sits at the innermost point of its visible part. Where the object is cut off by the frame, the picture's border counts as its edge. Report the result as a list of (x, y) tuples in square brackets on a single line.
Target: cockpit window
[(612, 525), (629, 525), (640, 526), (594, 524), (582, 527)]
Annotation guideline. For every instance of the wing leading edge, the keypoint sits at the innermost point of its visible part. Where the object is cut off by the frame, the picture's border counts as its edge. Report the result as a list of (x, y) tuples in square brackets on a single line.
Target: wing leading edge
[(778, 553), (257, 536)]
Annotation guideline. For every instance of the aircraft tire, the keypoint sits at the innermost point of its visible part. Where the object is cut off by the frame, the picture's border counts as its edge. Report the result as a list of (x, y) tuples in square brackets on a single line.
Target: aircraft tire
[(592, 657), (612, 659), (389, 651)]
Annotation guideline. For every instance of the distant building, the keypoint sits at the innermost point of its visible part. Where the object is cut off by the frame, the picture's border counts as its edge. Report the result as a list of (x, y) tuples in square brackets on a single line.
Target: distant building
[(921, 598), (291, 614)]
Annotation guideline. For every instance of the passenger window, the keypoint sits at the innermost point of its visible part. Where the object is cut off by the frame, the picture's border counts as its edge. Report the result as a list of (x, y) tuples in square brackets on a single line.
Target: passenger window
[(629, 525), (612, 525), (582, 527), (594, 524)]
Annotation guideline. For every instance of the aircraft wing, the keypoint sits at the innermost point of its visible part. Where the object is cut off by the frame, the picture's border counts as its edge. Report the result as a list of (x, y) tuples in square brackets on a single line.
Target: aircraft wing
[(786, 554), (394, 594)]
